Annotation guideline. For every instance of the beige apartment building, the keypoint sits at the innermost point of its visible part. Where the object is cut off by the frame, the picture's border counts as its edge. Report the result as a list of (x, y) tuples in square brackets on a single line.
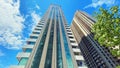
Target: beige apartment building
[(95, 56)]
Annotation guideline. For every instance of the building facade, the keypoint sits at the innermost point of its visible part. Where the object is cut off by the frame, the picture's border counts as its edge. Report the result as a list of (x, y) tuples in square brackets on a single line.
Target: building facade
[(96, 56), (51, 44)]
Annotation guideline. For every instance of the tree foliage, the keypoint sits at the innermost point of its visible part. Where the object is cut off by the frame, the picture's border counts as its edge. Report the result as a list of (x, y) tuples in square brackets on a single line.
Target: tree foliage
[(107, 29), (118, 67)]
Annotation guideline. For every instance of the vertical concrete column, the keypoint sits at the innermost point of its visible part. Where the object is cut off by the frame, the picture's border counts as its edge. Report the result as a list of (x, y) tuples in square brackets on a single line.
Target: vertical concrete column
[(42, 62), (62, 44), (70, 48), (31, 57), (54, 44)]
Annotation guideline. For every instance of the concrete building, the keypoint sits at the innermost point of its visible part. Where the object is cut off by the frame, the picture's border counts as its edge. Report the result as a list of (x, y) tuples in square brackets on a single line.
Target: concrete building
[(96, 56), (51, 44)]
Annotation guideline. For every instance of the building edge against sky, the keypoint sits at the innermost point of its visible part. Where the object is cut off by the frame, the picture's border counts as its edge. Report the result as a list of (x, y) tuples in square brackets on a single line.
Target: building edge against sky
[(51, 44), (96, 56)]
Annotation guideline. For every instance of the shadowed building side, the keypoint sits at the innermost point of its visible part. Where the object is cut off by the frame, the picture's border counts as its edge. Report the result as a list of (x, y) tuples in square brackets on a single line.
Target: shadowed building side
[(96, 56)]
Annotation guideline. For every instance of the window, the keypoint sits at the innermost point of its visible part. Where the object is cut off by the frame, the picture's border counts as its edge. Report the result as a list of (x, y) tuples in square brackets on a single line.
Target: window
[(79, 62), (39, 26), (76, 53), (70, 37), (72, 41), (31, 43), (28, 50), (74, 46), (36, 32), (70, 33), (42, 23), (69, 30), (23, 61), (33, 37), (37, 29)]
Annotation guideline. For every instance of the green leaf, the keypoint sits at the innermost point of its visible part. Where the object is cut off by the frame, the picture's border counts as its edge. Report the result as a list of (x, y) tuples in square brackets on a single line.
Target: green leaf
[(107, 27)]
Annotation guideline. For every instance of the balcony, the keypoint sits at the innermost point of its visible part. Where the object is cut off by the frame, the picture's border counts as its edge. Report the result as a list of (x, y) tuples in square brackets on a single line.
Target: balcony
[(22, 54), (16, 66), (27, 46)]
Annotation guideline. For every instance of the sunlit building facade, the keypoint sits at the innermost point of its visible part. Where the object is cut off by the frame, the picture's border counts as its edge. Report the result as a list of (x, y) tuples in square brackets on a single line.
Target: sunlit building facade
[(51, 44), (95, 56)]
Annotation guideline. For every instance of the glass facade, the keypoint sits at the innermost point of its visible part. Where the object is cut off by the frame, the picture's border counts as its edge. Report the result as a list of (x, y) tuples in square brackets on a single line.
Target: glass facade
[(37, 57), (51, 50), (66, 46), (23, 61), (39, 26), (30, 43), (33, 37), (59, 51), (28, 50), (48, 60), (36, 32), (39, 51), (37, 29)]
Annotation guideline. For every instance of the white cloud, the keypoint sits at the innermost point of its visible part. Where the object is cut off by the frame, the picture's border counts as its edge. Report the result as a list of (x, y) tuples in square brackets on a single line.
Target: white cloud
[(96, 3), (11, 24), (1, 53), (35, 18), (37, 7)]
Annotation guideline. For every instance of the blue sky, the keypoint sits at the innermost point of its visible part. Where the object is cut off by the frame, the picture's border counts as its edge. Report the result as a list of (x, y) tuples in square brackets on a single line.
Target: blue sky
[(19, 17)]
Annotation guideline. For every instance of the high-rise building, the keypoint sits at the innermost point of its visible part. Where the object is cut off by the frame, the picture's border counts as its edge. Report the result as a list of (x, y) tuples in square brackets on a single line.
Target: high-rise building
[(51, 44), (95, 56)]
